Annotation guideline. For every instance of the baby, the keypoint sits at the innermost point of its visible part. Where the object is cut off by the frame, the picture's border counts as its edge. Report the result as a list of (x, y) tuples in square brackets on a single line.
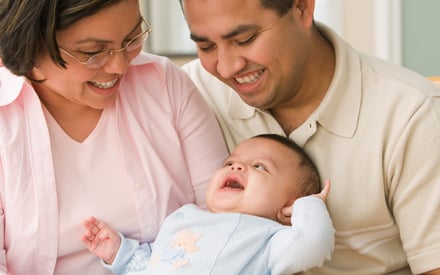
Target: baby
[(266, 216)]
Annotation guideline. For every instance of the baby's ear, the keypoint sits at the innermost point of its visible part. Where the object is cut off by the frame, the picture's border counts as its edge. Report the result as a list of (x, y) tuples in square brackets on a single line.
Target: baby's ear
[(284, 215)]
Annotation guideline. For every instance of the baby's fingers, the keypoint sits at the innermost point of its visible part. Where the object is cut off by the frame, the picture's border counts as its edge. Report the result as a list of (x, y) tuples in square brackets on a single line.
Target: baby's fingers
[(325, 191)]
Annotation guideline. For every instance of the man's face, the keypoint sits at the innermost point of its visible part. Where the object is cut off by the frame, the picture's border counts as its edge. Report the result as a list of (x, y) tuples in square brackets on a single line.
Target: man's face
[(251, 48)]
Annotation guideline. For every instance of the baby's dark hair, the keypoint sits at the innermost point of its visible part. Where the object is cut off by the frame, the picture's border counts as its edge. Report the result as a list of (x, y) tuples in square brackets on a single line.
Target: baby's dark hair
[(310, 181)]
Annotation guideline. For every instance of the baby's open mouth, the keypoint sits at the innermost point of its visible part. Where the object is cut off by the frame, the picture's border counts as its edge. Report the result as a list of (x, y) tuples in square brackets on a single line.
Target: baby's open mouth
[(233, 184)]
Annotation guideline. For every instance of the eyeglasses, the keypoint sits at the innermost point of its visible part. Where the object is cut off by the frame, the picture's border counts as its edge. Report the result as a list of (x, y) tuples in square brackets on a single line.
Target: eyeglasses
[(98, 60)]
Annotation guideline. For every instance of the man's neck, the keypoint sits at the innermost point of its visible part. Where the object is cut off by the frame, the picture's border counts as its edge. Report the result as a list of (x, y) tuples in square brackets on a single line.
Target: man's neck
[(316, 83)]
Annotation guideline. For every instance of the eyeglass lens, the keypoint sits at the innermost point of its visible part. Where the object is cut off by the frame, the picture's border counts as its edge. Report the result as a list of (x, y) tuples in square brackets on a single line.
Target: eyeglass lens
[(100, 59)]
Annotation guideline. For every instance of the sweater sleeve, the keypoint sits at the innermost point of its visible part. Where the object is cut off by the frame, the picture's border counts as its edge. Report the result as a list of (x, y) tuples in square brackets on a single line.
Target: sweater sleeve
[(307, 243), (131, 256)]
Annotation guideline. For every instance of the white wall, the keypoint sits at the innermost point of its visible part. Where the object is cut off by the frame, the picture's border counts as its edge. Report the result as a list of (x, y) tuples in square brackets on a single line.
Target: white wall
[(371, 26), (170, 34)]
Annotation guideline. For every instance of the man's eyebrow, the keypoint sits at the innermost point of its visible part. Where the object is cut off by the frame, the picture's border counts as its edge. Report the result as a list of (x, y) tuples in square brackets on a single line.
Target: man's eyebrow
[(240, 29), (197, 38)]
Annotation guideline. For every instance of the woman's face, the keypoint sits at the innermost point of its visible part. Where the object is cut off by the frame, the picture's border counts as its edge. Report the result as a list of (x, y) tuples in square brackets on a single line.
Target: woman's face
[(78, 86)]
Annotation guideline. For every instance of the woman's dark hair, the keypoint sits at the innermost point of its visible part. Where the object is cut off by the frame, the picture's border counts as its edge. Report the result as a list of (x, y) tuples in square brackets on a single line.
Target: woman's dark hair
[(28, 28), (310, 180)]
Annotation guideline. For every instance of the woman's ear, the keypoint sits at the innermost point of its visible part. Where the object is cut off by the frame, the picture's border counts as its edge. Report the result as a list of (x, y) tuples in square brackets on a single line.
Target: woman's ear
[(36, 73)]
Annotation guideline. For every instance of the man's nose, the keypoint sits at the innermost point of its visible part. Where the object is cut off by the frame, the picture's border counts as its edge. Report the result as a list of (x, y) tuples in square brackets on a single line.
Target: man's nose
[(229, 62)]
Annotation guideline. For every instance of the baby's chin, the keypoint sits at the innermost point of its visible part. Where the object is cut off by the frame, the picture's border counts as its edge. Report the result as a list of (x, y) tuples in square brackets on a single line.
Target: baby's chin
[(216, 207)]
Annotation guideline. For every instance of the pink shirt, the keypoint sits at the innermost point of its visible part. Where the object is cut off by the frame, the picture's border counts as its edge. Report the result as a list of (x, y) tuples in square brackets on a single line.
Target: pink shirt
[(172, 146)]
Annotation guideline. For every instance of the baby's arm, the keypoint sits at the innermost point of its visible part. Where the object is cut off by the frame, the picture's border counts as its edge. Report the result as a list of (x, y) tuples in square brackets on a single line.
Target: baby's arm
[(286, 212), (310, 240), (118, 254), (101, 240)]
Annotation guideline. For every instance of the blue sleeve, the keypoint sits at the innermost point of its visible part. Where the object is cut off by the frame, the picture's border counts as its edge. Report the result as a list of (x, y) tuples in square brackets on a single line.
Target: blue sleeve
[(307, 243), (131, 256)]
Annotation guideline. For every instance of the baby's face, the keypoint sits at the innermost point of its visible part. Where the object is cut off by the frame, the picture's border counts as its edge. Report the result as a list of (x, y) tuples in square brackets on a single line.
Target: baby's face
[(258, 178)]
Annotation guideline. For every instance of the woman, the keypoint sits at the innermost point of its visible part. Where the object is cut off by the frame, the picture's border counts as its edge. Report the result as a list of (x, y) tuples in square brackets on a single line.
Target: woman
[(83, 110)]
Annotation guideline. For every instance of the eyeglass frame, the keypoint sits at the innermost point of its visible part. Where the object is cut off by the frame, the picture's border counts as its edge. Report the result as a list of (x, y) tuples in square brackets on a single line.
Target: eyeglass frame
[(111, 52)]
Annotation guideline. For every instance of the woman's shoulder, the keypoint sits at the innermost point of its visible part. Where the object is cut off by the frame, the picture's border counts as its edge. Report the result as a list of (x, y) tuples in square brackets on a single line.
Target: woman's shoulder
[(148, 60), (156, 78), (10, 86), (150, 68)]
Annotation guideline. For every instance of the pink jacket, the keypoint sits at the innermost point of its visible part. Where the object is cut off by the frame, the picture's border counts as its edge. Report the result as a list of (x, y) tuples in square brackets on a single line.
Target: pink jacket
[(173, 148)]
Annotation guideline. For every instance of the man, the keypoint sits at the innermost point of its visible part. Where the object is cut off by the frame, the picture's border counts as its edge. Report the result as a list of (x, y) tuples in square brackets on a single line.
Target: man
[(371, 127)]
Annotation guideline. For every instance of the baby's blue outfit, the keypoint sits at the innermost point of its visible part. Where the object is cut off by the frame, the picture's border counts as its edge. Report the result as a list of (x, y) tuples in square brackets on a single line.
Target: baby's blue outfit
[(194, 241)]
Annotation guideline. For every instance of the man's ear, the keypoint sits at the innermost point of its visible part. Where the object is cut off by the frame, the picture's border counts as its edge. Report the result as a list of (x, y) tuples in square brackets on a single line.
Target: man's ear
[(306, 9)]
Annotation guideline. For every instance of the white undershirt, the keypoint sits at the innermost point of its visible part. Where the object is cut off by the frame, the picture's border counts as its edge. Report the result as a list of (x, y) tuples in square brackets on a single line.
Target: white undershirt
[(91, 179)]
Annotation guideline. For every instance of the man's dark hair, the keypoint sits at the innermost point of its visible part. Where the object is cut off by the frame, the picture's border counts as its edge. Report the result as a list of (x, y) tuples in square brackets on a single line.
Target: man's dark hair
[(280, 6)]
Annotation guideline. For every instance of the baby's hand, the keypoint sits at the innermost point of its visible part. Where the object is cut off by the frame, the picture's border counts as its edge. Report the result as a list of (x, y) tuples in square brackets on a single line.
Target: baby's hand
[(324, 192), (101, 240), (284, 215)]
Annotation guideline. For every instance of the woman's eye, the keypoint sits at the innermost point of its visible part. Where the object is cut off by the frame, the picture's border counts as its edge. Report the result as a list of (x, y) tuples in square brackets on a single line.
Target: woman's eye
[(90, 53)]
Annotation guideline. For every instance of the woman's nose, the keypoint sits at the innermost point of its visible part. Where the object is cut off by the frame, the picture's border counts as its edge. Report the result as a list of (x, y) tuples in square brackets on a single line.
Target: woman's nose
[(117, 63)]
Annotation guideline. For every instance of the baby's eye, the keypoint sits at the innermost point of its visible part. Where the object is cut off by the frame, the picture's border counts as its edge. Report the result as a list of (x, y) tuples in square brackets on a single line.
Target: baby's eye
[(228, 163), (260, 167)]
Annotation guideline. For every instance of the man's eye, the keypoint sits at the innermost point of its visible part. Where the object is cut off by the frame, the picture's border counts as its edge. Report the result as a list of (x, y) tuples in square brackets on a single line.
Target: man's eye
[(248, 40), (206, 48)]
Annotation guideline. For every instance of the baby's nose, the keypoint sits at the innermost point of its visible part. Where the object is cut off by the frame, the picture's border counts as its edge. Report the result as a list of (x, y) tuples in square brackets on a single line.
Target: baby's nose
[(236, 166)]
